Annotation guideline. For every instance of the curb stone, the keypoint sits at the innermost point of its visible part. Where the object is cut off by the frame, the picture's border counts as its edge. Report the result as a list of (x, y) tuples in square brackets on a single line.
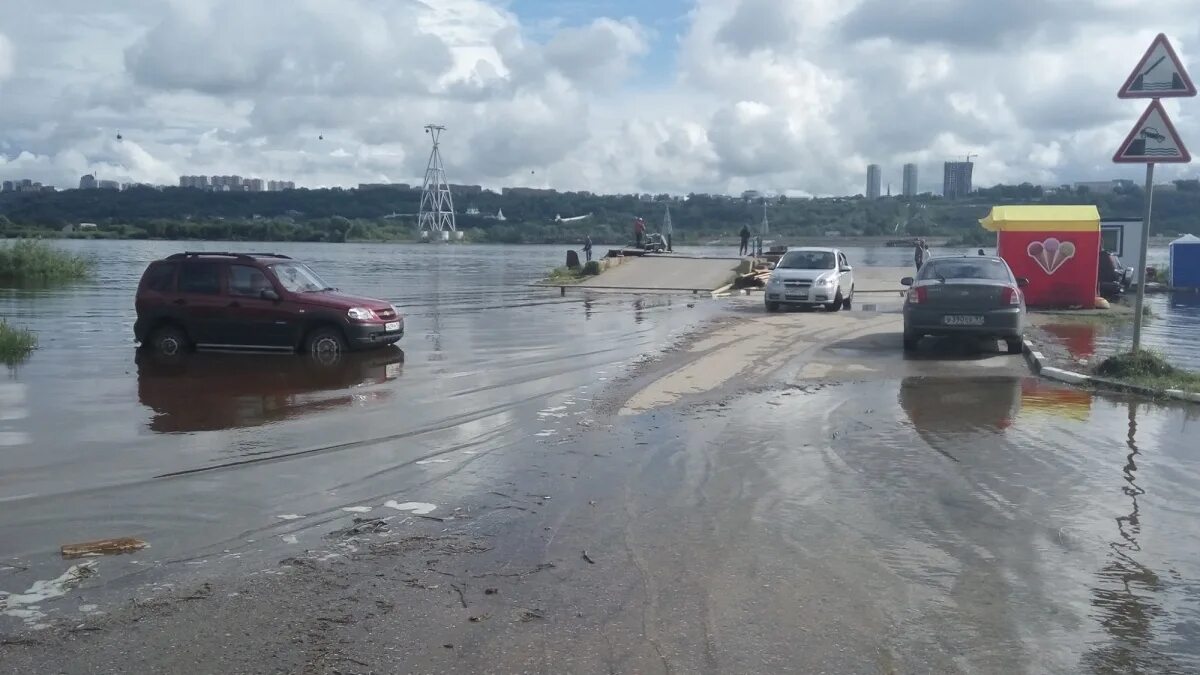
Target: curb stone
[(1037, 361)]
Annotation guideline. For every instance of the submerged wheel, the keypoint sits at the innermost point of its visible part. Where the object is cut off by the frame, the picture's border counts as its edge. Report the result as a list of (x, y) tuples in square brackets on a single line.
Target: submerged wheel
[(772, 306), (324, 342), (848, 303), (169, 341)]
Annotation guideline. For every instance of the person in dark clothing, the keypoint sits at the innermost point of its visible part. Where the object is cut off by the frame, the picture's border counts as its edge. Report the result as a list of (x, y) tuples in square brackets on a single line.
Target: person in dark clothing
[(919, 253), (745, 235), (587, 247), (639, 231), (981, 252)]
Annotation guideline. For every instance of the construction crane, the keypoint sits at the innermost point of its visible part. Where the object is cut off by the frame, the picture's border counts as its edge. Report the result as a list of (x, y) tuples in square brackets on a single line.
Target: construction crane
[(970, 155)]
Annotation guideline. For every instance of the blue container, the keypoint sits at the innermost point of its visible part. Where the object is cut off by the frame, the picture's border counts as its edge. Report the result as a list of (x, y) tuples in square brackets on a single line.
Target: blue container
[(1185, 262)]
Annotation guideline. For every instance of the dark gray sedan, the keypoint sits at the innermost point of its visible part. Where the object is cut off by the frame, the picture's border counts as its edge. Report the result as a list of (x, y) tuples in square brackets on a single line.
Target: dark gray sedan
[(965, 295)]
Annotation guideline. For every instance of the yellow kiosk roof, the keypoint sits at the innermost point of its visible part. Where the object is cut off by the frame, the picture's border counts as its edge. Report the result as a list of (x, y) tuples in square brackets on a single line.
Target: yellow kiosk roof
[(1042, 218)]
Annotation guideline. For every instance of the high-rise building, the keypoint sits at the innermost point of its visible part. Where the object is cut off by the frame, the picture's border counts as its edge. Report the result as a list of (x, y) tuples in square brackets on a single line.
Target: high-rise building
[(8, 186), (910, 180), (957, 180), (87, 182), (874, 179), (254, 185)]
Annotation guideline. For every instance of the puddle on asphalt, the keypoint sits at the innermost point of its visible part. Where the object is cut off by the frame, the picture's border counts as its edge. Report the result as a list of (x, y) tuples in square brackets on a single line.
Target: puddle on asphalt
[(1024, 513)]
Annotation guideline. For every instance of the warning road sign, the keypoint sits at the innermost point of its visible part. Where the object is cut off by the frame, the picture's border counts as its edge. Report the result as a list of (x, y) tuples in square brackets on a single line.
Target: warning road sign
[(1160, 74), (1153, 140)]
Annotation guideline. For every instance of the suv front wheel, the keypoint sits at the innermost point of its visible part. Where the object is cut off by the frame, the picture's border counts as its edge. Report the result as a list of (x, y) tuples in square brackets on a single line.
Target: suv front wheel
[(169, 341), (325, 341)]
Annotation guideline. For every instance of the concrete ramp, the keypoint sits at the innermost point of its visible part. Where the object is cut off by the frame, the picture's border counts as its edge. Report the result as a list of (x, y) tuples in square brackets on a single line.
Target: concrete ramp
[(666, 273)]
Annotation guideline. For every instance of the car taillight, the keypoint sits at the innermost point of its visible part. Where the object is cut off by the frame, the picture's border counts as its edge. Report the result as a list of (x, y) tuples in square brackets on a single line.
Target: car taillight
[(918, 295), (1010, 296)]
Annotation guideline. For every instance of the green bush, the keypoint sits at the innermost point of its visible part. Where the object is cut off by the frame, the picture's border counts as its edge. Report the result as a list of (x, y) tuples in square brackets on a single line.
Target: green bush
[(35, 262), (15, 343), (592, 268)]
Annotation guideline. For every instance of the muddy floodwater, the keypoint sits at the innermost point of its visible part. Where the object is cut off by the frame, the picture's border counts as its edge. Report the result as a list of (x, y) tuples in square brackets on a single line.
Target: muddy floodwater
[(596, 483), (97, 440)]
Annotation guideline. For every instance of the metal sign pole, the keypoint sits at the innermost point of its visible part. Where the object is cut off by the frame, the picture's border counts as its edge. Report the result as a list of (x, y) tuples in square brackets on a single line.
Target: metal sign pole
[(1142, 250)]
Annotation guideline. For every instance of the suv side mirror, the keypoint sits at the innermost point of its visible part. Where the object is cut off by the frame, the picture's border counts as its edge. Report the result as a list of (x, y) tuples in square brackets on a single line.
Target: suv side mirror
[(1022, 282), (847, 268), (906, 281), (268, 294)]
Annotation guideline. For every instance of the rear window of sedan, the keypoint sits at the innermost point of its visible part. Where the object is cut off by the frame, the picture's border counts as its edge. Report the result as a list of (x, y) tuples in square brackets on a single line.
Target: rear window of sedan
[(993, 270)]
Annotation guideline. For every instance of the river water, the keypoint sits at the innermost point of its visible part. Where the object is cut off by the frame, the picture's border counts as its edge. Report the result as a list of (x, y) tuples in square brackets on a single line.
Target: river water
[(207, 455)]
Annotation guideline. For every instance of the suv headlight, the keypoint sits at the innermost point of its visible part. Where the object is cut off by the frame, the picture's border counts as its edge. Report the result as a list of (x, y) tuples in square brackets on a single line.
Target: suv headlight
[(360, 314), (827, 281), (774, 281)]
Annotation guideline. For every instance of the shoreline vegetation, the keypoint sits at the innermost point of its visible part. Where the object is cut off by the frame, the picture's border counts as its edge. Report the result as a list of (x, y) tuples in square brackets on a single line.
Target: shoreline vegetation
[(34, 262), (15, 343), (534, 216), (1147, 369), (567, 275)]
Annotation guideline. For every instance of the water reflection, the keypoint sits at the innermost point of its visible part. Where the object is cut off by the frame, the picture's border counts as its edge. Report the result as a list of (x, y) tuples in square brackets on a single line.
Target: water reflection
[(1126, 592), (944, 408), (1078, 338), (205, 392)]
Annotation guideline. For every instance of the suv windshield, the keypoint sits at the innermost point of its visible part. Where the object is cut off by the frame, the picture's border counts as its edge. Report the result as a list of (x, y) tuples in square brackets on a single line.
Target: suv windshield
[(806, 260), (297, 278), (965, 269)]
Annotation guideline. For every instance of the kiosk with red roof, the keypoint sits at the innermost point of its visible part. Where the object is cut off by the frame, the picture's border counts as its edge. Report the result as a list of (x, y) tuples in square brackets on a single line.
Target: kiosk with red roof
[(1056, 247)]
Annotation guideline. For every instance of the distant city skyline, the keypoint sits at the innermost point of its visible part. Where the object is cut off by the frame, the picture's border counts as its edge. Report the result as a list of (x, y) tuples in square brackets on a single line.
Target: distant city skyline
[(958, 180)]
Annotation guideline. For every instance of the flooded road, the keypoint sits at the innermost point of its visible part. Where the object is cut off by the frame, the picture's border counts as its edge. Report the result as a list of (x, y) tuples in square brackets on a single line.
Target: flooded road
[(774, 493), (207, 452)]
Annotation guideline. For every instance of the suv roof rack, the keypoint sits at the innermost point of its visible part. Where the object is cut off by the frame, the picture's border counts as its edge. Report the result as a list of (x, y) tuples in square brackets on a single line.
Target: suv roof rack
[(223, 254)]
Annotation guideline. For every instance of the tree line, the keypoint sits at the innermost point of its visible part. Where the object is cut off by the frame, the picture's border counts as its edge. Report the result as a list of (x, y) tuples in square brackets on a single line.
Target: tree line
[(335, 215)]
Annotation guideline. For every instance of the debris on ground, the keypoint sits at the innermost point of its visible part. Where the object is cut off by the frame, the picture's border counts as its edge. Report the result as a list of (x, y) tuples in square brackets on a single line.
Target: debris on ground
[(588, 558), (103, 547), (491, 591), (539, 568), (527, 615), (361, 526), (481, 618)]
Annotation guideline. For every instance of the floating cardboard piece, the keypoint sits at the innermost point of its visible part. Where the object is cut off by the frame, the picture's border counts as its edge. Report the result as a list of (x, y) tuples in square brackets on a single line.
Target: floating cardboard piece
[(103, 547)]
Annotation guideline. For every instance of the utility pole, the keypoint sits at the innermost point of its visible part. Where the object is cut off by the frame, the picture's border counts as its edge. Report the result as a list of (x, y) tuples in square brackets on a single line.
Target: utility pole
[(437, 204)]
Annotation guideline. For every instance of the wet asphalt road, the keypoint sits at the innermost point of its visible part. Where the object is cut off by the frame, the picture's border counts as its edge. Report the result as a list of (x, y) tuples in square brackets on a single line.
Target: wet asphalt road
[(846, 510)]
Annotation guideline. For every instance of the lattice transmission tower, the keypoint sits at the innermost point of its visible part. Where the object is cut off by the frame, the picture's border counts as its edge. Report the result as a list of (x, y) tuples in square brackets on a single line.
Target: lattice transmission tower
[(437, 204)]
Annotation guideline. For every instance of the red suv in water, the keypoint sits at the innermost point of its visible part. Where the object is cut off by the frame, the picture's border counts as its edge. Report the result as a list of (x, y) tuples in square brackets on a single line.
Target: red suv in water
[(254, 301)]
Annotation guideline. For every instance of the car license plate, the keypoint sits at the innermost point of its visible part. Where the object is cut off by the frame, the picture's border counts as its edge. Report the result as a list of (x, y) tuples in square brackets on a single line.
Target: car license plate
[(392, 327), (962, 320)]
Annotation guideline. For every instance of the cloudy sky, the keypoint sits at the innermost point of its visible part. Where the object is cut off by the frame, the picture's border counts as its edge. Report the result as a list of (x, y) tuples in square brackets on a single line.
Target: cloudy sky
[(793, 96)]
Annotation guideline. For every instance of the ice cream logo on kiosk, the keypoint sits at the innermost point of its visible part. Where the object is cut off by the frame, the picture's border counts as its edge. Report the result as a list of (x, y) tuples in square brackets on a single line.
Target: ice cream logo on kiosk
[(1051, 253)]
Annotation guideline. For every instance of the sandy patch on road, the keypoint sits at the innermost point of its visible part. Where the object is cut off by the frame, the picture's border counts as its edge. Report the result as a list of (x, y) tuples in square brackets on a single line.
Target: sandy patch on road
[(755, 350)]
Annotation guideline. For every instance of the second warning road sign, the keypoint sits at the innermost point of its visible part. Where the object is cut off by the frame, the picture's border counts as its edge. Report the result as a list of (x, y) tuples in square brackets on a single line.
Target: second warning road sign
[(1153, 140)]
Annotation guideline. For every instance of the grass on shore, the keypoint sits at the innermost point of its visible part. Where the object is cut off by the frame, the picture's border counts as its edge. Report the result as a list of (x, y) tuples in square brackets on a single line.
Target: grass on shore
[(1148, 369), (566, 275), (15, 343), (35, 262)]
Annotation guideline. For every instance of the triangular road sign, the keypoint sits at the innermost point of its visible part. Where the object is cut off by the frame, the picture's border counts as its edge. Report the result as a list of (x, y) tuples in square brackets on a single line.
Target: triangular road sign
[(1153, 140), (1160, 74)]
